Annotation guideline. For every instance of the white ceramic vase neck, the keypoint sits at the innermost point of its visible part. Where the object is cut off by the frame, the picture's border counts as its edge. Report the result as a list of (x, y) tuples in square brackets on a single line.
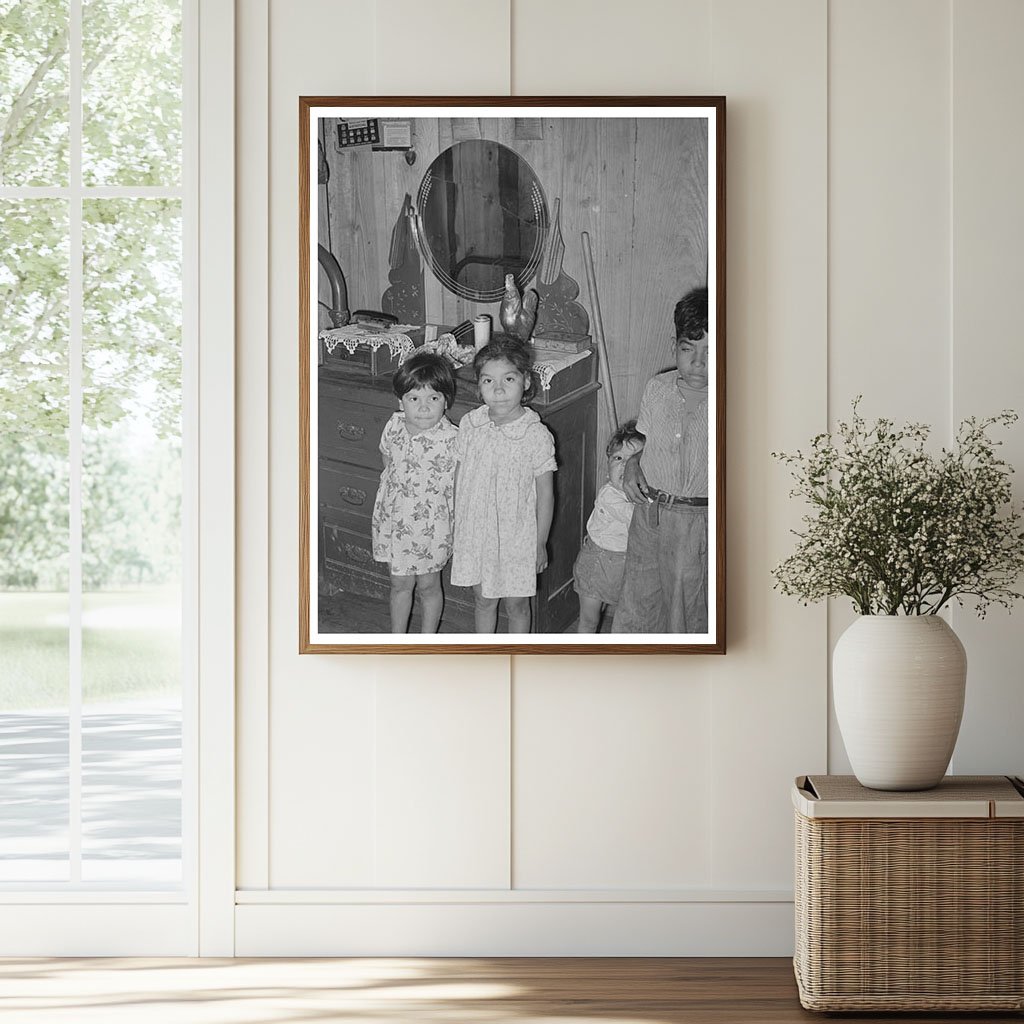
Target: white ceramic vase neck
[(898, 684)]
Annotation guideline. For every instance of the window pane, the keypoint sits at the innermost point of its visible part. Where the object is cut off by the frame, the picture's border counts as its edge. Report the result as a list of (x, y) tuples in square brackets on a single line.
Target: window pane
[(131, 743), (131, 541), (33, 92), (33, 540), (131, 92)]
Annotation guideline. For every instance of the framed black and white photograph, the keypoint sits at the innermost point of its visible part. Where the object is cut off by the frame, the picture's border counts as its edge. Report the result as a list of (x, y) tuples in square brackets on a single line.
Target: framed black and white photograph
[(512, 375)]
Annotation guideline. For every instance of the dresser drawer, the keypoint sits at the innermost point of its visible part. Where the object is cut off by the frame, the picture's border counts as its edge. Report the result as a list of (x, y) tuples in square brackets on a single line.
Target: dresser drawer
[(350, 431), (348, 557), (348, 489)]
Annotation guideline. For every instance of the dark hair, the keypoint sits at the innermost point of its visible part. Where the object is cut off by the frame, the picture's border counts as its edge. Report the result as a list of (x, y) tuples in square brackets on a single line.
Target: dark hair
[(691, 315), (518, 353), (624, 435), (426, 370)]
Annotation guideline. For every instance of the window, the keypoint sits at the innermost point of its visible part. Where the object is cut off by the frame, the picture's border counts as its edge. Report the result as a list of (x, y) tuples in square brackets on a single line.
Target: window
[(94, 456)]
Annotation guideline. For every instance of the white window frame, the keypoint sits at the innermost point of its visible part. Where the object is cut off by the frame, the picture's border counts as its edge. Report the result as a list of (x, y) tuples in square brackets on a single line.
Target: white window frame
[(215, 190), (198, 919)]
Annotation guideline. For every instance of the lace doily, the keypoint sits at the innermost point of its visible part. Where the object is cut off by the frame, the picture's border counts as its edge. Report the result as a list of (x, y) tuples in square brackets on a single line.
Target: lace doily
[(547, 367), (401, 346), (355, 336)]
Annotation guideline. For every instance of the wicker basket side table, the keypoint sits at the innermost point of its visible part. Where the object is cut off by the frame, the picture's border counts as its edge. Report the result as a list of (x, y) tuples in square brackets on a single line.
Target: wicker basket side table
[(910, 901)]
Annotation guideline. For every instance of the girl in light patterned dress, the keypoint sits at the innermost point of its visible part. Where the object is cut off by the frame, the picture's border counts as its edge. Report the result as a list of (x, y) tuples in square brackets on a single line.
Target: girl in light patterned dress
[(413, 511), (504, 495)]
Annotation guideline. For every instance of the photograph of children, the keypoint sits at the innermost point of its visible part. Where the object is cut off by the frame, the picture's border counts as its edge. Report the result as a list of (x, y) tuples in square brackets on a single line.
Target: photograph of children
[(511, 368)]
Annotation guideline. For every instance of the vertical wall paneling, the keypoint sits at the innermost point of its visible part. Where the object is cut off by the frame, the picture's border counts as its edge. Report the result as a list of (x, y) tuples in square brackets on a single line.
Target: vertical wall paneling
[(353, 216), (847, 272), (253, 461), (442, 774), (323, 774), (769, 692), (987, 367), (576, 48), (444, 48), (889, 245), (889, 223), (320, 709), (611, 783), (597, 190)]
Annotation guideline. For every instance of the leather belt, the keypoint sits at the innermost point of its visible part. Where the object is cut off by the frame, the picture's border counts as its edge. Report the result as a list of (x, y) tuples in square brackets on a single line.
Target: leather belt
[(674, 500)]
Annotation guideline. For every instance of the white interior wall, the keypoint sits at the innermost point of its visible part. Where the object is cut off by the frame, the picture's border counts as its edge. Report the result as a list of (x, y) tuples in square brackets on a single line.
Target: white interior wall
[(543, 805), (986, 360)]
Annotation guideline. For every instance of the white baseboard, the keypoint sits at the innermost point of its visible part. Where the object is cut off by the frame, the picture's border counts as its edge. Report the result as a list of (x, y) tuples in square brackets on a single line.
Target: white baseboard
[(97, 929), (521, 928)]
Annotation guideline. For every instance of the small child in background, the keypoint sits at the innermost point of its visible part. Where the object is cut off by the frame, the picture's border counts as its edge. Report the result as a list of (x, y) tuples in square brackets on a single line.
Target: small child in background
[(414, 508), (504, 496), (597, 574)]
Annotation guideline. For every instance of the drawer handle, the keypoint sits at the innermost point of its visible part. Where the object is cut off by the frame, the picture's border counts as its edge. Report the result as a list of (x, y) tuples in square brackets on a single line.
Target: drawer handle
[(358, 554), (352, 495), (351, 432)]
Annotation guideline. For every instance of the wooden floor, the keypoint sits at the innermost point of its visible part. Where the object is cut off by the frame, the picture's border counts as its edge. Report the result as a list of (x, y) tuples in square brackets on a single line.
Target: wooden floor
[(352, 613), (385, 991)]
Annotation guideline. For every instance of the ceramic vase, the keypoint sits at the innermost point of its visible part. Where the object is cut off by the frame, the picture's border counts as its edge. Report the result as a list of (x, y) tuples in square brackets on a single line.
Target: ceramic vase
[(898, 685)]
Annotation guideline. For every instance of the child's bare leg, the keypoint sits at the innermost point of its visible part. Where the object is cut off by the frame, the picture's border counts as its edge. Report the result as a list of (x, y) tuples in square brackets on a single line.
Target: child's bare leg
[(590, 615), (401, 602), (518, 611), (485, 612), (609, 611), (428, 586)]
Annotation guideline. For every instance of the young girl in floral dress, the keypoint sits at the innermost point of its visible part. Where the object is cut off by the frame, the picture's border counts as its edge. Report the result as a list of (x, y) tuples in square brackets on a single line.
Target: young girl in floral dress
[(504, 496), (412, 514)]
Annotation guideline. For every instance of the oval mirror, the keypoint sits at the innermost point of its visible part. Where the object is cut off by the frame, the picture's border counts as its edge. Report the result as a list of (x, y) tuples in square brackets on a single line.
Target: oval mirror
[(481, 214)]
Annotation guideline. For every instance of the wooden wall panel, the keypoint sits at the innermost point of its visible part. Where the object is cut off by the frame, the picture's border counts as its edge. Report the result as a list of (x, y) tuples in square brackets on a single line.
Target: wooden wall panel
[(663, 243), (323, 231), (358, 225), (598, 178), (612, 177), (611, 214), (433, 290)]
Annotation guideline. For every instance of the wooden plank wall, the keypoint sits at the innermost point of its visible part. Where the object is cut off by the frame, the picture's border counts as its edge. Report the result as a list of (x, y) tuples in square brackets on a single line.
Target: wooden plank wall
[(638, 186)]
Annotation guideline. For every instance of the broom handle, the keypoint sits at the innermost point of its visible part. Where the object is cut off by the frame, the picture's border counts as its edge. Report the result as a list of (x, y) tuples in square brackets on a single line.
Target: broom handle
[(599, 331)]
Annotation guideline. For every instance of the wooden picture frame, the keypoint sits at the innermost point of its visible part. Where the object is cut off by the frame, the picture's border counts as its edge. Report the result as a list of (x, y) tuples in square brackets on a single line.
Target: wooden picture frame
[(412, 211)]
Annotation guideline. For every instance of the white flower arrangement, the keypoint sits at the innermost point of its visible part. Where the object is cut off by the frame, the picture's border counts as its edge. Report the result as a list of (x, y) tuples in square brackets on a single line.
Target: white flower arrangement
[(899, 530)]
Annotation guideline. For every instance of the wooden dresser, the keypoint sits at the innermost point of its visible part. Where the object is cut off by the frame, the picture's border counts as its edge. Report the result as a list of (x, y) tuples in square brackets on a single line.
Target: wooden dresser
[(353, 409)]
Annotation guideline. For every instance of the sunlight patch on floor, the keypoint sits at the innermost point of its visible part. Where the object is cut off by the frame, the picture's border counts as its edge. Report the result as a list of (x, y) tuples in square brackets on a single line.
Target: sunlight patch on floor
[(219, 991)]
